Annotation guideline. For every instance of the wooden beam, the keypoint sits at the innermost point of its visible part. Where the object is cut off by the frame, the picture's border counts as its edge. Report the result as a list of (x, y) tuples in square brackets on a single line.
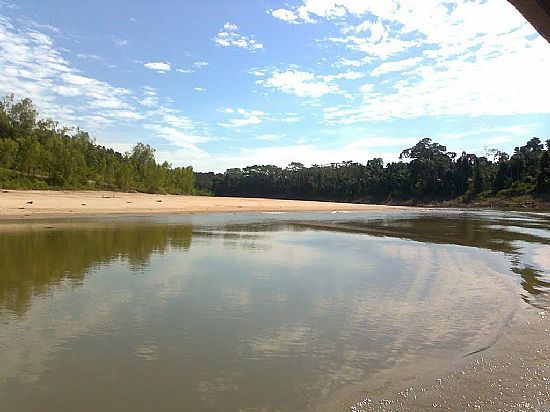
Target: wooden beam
[(536, 12)]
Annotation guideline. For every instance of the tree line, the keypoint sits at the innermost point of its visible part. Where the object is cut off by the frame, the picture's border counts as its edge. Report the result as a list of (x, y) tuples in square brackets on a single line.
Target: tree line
[(38, 154), (425, 172)]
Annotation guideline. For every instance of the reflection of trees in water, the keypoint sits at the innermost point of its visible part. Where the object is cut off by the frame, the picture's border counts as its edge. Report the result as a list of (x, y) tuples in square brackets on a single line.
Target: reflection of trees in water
[(33, 261), (245, 237), (534, 283), (489, 233), (461, 231), (531, 280)]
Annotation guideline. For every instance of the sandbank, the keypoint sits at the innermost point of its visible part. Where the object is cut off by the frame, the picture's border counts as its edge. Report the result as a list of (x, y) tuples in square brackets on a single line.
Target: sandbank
[(28, 204)]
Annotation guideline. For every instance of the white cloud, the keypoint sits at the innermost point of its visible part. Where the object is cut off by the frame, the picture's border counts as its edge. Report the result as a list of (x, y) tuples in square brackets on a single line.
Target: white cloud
[(343, 76), (498, 140), (31, 66), (390, 25), (517, 131), (381, 48), (229, 36), (173, 118), (150, 97), (199, 89), (179, 138), (197, 65), (161, 67), (298, 16), (285, 15), (299, 83), (458, 64), (184, 157), (290, 118), (500, 85), (343, 62), (310, 10), (230, 27), (396, 66), (268, 136), (89, 56), (366, 88), (8, 5), (179, 130), (244, 117), (258, 72), (117, 41), (239, 118)]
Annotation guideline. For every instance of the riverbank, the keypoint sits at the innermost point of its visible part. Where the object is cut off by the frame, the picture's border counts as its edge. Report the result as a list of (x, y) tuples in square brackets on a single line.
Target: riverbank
[(518, 203), (510, 375), (29, 204)]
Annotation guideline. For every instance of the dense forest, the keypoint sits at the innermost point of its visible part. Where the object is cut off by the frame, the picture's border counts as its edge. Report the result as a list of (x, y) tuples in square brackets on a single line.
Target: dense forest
[(38, 154), (426, 173)]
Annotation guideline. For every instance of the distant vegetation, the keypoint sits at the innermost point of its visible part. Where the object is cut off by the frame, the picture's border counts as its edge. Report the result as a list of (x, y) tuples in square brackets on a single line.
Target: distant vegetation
[(431, 174), (38, 154)]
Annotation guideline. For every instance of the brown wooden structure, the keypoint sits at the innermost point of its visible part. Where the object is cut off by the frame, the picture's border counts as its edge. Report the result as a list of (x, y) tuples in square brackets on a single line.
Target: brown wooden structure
[(536, 12)]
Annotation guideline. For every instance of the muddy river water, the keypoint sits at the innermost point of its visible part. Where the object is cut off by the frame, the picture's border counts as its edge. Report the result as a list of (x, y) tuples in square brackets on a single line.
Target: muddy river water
[(399, 310)]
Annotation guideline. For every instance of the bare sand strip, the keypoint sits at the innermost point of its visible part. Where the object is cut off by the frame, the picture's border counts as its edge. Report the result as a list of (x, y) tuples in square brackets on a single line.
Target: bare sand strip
[(512, 375), (27, 204)]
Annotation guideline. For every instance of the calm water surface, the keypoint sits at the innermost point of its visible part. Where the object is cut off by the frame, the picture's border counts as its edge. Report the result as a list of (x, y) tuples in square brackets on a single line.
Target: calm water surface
[(253, 312)]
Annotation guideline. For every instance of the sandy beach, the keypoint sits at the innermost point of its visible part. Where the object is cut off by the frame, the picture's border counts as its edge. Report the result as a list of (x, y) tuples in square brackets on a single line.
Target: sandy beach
[(27, 204)]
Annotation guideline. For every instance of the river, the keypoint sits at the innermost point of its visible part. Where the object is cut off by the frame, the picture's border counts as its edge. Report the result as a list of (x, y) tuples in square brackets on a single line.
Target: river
[(259, 312)]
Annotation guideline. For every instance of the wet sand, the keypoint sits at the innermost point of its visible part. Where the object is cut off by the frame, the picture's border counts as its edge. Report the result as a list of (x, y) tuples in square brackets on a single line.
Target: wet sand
[(510, 372), (513, 374), (26, 204)]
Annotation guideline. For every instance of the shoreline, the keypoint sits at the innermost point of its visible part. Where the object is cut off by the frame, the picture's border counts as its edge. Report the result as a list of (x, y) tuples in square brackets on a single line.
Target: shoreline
[(36, 204), (493, 378)]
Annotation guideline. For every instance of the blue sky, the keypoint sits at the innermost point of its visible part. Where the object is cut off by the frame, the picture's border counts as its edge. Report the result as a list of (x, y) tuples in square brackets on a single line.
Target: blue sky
[(220, 84)]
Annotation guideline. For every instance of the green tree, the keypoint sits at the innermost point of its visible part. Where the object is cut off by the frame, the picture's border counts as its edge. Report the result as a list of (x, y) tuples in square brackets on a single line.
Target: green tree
[(543, 176), (28, 157), (8, 151)]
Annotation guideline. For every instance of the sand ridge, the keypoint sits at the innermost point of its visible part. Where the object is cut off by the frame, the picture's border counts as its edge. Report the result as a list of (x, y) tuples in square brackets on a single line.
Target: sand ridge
[(27, 204)]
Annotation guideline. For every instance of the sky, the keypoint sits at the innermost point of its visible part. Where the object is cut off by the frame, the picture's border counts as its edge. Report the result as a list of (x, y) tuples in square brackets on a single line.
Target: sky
[(218, 84)]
